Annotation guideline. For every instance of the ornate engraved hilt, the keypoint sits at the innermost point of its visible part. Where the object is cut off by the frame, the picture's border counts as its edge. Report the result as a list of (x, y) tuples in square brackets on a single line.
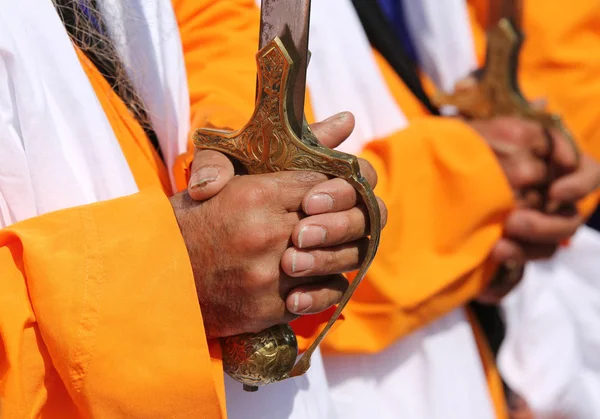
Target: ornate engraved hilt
[(496, 93), (268, 144)]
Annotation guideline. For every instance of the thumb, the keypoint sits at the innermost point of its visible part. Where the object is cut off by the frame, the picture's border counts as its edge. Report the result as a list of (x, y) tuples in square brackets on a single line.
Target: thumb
[(334, 130), (211, 171)]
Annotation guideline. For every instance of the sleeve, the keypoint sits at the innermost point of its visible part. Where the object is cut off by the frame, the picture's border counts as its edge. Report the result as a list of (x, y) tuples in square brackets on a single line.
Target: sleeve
[(447, 199), (220, 40), (99, 316)]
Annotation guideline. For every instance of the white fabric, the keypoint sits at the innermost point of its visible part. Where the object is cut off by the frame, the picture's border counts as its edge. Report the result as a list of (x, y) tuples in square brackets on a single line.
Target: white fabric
[(441, 34), (551, 352), (343, 75), (418, 376), (146, 35), (305, 397), (57, 147), (434, 373)]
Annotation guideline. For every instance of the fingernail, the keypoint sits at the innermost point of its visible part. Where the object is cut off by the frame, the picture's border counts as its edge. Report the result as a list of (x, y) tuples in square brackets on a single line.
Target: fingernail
[(302, 302), (310, 236), (319, 203), (343, 116), (302, 261), (204, 176)]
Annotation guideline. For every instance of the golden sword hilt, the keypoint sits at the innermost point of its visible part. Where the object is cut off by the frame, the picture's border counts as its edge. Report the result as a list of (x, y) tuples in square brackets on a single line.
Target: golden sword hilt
[(496, 93), (267, 144)]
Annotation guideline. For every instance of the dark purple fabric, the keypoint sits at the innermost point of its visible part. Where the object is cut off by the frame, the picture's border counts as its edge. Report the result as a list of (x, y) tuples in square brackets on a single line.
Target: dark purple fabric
[(88, 13), (594, 221), (394, 12)]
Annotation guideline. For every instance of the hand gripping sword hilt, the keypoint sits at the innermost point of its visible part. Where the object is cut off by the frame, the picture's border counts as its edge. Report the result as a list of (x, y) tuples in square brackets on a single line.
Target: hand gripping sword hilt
[(266, 144), (496, 93)]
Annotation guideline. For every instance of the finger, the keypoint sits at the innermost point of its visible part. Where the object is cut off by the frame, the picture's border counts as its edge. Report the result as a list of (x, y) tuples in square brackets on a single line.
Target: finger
[(535, 227), (312, 299), (368, 172), (343, 258), (331, 196), (539, 251), (530, 197), (576, 186), (508, 276), (508, 135), (210, 172), (524, 170), (334, 130), (326, 230), (565, 154), (535, 137), (336, 194), (524, 133), (507, 250), (284, 190)]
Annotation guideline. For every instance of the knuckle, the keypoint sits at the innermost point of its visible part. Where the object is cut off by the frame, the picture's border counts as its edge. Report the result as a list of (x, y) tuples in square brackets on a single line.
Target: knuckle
[(258, 280), (306, 177), (257, 195), (580, 190), (269, 310), (259, 236), (343, 223), (524, 173), (510, 128), (329, 261), (331, 297), (533, 132), (532, 228)]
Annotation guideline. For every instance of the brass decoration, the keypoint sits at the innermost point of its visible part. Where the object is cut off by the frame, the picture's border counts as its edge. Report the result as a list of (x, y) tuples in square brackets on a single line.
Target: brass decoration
[(261, 359), (268, 144), (496, 93)]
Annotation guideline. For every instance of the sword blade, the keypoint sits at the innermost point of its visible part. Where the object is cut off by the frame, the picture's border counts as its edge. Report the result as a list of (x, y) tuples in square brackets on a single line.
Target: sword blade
[(289, 20)]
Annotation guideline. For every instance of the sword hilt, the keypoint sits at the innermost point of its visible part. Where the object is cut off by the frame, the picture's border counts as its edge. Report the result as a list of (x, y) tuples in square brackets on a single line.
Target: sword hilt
[(267, 144), (496, 93)]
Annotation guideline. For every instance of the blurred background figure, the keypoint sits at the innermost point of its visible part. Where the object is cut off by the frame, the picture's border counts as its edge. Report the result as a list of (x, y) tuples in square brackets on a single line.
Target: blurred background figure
[(418, 46)]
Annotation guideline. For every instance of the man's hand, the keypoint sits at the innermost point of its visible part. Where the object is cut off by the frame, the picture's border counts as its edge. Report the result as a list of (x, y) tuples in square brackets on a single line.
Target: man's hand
[(522, 149), (238, 232)]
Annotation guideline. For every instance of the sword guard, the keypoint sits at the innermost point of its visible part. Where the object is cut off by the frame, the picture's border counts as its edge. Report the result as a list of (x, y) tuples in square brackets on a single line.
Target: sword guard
[(496, 93), (268, 143)]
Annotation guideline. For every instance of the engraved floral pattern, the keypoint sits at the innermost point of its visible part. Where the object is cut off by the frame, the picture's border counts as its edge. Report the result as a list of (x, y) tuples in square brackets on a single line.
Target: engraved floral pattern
[(262, 358), (267, 144)]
